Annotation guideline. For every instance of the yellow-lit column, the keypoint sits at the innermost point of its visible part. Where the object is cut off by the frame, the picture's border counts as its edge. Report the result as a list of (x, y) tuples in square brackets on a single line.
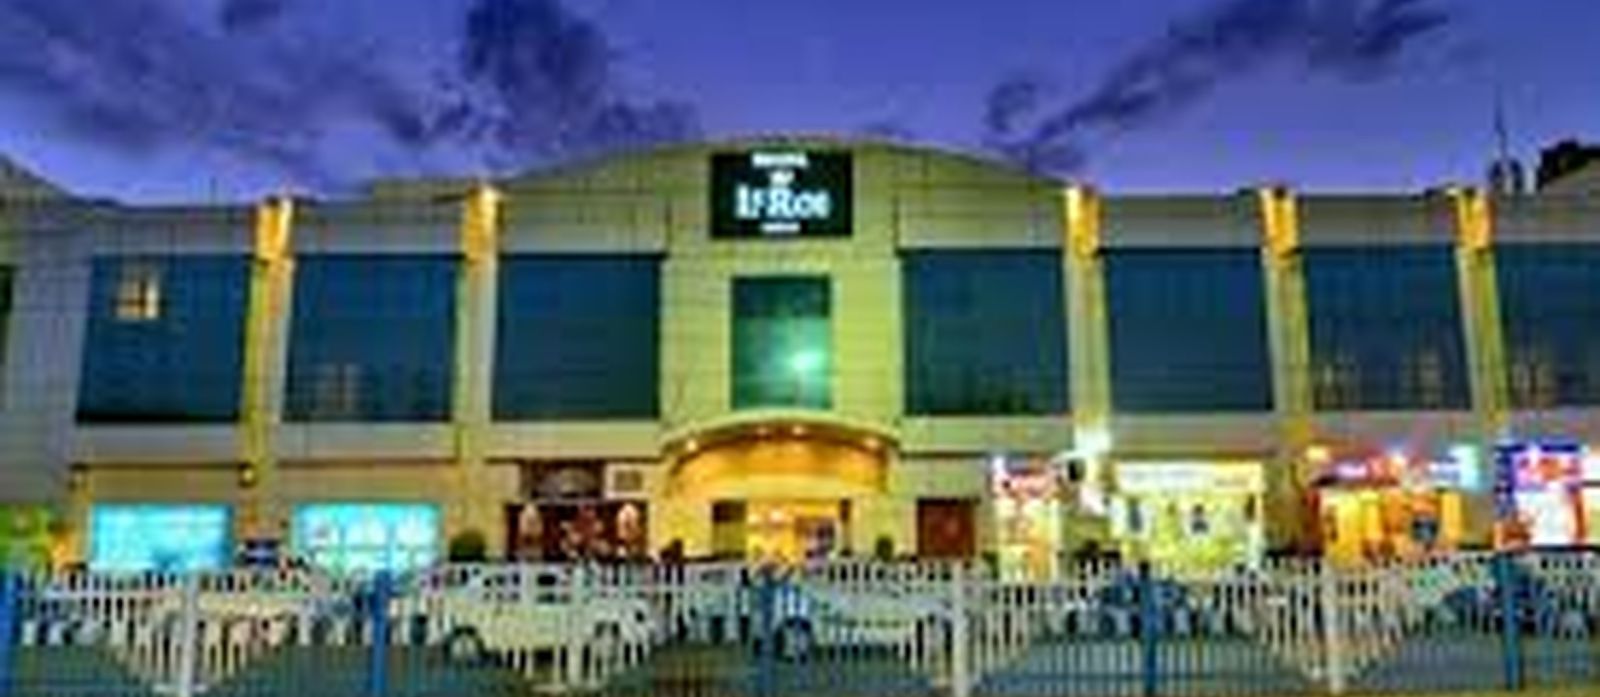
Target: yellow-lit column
[(1289, 337), (1486, 350), (473, 506), (1088, 337), (265, 350), (70, 545)]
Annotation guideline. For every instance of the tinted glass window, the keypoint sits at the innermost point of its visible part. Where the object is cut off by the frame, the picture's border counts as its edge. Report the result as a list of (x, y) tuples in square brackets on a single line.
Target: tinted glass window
[(985, 333), (372, 338), (782, 343), (1550, 309), (1385, 328), (1188, 331), (577, 338), (165, 339)]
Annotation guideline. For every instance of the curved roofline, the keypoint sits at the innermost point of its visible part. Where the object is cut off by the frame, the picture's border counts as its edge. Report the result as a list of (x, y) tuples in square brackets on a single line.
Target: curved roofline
[(792, 139)]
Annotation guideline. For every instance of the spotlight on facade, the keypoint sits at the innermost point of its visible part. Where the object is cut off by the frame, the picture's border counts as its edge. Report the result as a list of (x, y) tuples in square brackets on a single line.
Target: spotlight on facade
[(805, 362), (1095, 443), (1319, 454)]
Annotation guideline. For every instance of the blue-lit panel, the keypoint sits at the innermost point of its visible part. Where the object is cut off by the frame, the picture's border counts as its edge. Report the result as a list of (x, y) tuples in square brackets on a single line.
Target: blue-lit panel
[(367, 537), (165, 538)]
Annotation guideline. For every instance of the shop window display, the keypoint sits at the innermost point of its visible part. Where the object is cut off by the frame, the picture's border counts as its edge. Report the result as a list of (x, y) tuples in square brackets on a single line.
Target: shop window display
[(1384, 506), (571, 531), (1027, 499), (1190, 517), (1540, 495)]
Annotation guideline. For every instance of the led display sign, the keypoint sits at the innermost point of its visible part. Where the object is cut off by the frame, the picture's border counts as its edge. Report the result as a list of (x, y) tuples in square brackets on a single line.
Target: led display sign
[(782, 194)]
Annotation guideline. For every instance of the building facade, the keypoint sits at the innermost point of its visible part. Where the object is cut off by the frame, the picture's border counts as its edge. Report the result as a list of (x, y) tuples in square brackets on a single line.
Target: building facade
[(792, 347)]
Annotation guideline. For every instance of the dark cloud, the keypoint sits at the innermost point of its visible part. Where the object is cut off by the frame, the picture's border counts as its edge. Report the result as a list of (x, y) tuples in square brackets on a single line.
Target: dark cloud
[(531, 82), (1346, 39), (537, 82), (243, 15), (139, 76)]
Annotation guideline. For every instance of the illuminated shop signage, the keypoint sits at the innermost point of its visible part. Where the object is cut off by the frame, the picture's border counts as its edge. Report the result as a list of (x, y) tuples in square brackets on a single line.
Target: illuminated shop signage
[(367, 537), (786, 193), (1528, 467), (1459, 470), (163, 538), (1192, 477), (1540, 494)]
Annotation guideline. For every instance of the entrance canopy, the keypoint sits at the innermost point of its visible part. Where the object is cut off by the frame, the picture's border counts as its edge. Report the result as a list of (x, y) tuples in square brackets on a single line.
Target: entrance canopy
[(779, 456)]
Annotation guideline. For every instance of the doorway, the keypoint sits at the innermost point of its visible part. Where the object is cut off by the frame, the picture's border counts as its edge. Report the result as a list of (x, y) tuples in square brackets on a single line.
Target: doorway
[(946, 528), (782, 531)]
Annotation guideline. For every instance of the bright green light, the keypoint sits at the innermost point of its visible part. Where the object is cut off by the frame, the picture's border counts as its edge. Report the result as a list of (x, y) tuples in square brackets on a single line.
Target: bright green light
[(806, 362)]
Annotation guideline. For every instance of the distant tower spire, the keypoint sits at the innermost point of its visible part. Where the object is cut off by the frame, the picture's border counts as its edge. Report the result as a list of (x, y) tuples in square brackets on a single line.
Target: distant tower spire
[(1502, 133), (1506, 177)]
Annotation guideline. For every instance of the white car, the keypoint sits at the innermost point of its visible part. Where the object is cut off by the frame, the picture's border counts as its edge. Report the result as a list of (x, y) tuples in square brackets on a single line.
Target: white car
[(807, 617), (498, 612)]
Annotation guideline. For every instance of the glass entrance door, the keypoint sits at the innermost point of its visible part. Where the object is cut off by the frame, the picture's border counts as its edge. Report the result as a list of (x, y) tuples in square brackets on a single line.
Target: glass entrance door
[(786, 531)]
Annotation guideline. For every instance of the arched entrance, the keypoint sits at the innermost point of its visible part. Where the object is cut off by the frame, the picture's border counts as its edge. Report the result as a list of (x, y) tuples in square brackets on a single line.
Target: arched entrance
[(774, 491)]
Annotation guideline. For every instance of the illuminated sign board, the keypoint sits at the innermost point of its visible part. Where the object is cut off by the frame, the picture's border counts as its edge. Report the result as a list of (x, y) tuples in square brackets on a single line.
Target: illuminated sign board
[(1190, 477), (1528, 467), (161, 538), (783, 194)]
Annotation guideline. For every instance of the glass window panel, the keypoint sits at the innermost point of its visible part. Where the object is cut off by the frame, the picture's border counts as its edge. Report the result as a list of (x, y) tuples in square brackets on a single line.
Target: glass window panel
[(1188, 330), (577, 337), (782, 342), (1385, 328), (1550, 312), (985, 332), (165, 339), (372, 338)]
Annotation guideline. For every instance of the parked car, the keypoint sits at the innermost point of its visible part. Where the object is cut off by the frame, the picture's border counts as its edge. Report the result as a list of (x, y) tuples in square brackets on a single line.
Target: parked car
[(500, 611), (807, 617)]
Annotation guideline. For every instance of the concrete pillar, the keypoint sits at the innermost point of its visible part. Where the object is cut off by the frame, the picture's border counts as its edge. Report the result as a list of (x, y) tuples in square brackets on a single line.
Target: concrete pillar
[(1088, 337), (474, 505), (1485, 339), (260, 513), (1289, 337)]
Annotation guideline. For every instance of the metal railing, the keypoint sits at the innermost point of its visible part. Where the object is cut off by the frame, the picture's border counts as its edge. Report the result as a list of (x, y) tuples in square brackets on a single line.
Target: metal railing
[(1291, 627)]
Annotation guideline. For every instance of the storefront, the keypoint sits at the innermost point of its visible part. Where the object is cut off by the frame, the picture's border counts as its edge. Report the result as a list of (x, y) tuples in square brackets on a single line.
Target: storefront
[(1381, 506), (1190, 516), (565, 516), (1027, 502), (1540, 495)]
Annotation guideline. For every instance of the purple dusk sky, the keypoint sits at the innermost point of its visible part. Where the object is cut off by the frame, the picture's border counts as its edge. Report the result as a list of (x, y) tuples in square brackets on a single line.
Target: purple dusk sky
[(193, 99)]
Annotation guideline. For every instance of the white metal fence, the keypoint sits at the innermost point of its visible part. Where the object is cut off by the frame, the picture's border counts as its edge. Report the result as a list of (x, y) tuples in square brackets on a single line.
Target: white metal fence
[(1294, 626)]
